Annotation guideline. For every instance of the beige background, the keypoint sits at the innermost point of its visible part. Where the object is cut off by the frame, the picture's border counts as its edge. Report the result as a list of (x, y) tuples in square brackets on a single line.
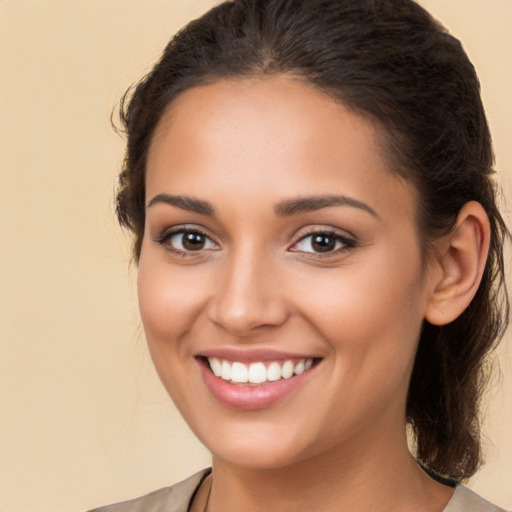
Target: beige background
[(83, 419)]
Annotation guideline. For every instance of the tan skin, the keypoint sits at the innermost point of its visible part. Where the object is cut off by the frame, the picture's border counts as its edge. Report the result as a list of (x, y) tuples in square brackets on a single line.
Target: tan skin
[(259, 279)]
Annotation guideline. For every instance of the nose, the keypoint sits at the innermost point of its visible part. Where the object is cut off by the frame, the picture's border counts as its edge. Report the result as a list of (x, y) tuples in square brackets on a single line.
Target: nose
[(247, 297)]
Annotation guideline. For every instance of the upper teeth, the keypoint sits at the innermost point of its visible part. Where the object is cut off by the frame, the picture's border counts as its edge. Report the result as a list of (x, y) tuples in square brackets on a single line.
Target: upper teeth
[(256, 373)]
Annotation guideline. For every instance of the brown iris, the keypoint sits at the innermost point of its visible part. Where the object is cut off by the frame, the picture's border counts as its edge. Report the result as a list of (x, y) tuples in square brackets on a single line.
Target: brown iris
[(323, 243), (193, 241)]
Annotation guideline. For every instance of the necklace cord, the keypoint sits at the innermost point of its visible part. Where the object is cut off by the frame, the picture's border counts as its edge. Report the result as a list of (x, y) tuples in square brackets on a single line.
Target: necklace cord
[(206, 474)]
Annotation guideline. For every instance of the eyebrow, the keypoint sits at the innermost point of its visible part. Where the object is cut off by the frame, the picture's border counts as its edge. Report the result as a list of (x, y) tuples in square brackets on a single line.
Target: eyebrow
[(309, 204), (185, 203), (283, 209)]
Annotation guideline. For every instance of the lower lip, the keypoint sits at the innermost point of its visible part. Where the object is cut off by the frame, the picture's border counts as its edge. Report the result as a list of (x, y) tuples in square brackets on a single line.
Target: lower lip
[(243, 396)]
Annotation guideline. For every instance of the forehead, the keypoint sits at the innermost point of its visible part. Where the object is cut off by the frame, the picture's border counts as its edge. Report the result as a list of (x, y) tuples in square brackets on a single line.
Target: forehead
[(275, 136)]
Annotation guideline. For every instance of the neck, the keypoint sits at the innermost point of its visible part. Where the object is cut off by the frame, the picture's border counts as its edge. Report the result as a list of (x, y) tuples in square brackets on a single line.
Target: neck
[(365, 476)]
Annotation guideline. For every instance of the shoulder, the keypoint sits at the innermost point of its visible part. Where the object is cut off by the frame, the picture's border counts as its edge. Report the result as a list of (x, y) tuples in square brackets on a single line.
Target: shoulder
[(465, 500), (175, 498)]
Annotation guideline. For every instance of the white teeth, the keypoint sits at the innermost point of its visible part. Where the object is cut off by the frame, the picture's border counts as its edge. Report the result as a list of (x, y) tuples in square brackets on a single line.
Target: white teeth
[(299, 367), (225, 370), (257, 373), (239, 373), (216, 366), (273, 371), (287, 370)]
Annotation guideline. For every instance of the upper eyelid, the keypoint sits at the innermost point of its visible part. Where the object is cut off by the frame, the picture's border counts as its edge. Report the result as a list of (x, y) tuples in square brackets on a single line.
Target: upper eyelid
[(342, 233), (175, 230), (344, 239), (166, 234)]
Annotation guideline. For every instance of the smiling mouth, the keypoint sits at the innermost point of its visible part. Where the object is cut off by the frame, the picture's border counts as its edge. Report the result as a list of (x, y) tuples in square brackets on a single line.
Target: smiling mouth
[(236, 372)]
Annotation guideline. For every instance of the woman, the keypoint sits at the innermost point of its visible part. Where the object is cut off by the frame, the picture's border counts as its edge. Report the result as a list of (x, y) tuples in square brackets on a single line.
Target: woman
[(310, 189)]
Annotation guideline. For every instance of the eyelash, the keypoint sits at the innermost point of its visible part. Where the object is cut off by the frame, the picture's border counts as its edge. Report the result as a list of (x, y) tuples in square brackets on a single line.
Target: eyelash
[(165, 240), (346, 243)]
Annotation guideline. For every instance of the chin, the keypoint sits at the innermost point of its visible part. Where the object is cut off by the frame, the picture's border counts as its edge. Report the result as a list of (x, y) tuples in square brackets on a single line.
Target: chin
[(255, 458), (256, 447)]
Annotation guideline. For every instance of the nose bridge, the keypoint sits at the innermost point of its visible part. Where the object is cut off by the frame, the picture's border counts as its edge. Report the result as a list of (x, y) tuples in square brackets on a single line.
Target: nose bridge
[(247, 295)]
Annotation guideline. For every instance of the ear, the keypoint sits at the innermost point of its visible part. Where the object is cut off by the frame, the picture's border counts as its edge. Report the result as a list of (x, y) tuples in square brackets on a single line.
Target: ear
[(460, 262)]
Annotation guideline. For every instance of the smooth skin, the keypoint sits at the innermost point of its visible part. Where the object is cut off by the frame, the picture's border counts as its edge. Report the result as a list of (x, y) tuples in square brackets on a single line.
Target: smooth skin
[(256, 279)]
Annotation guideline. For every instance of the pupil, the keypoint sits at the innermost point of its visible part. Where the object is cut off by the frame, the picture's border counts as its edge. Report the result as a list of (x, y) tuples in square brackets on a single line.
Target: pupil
[(323, 243), (193, 241)]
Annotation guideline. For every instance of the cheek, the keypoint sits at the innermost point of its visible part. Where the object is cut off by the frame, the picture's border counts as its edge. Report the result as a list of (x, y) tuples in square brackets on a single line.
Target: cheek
[(369, 313), (169, 301), (169, 304), (372, 323)]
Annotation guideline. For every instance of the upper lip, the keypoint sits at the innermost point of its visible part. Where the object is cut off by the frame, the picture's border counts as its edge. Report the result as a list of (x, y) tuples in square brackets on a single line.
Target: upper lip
[(252, 355)]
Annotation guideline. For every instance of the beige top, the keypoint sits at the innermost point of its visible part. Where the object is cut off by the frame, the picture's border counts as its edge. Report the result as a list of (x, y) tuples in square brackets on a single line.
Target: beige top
[(177, 498)]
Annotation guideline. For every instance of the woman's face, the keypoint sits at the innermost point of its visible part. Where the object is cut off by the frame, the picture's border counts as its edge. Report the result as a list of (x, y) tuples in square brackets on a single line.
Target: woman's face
[(279, 248)]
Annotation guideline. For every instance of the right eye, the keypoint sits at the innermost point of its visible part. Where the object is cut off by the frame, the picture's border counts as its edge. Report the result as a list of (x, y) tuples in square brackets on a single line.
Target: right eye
[(187, 241)]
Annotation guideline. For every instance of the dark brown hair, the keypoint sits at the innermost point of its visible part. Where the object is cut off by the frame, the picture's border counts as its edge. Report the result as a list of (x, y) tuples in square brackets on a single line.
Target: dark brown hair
[(391, 61)]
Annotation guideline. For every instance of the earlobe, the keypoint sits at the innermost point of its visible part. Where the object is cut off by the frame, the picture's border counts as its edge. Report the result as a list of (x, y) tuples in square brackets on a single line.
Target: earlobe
[(461, 260)]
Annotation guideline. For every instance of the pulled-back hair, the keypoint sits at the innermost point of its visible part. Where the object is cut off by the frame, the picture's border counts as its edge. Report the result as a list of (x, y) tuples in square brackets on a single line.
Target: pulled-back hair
[(388, 60)]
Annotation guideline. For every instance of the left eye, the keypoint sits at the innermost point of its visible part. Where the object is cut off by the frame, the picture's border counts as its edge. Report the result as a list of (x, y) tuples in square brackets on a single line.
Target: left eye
[(187, 241), (321, 242)]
